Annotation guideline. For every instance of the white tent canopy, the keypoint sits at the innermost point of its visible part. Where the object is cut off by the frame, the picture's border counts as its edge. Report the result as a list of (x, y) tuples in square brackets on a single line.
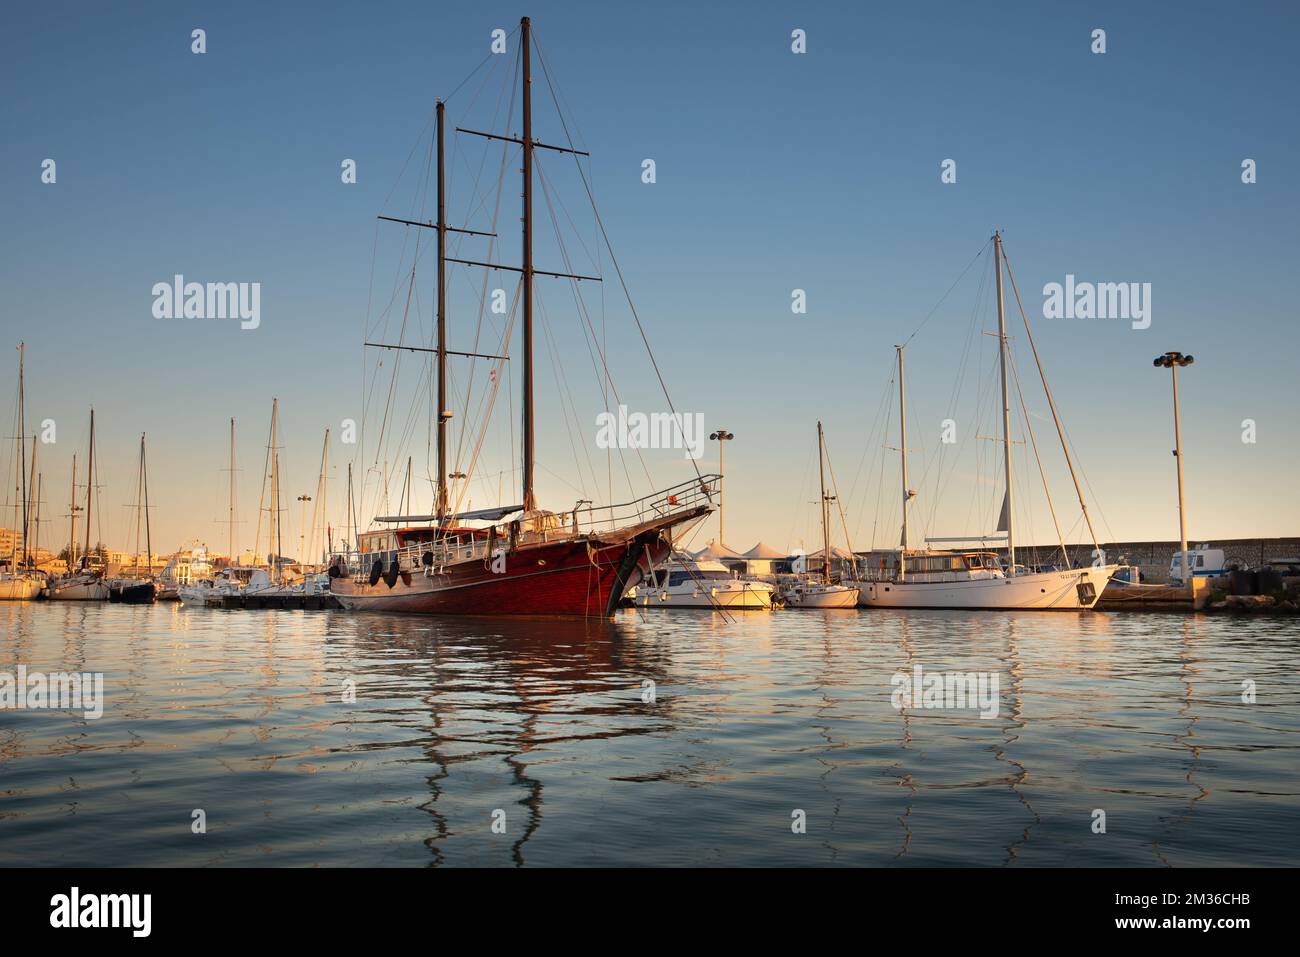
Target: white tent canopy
[(836, 551), (764, 552), (715, 551)]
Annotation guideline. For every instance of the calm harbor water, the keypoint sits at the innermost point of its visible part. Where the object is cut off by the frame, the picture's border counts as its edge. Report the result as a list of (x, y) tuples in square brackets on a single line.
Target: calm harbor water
[(243, 715)]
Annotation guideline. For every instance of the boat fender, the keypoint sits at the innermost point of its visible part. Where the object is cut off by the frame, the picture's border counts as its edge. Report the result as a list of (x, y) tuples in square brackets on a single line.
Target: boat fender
[(390, 579), (426, 559), (376, 570), (334, 571)]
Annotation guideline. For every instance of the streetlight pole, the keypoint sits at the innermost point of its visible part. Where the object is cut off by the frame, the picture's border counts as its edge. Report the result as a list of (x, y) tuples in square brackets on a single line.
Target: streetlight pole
[(722, 436), (1172, 361), (302, 532)]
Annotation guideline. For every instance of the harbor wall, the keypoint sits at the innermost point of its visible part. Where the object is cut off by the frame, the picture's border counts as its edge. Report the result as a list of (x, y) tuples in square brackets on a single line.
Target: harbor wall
[(1154, 557)]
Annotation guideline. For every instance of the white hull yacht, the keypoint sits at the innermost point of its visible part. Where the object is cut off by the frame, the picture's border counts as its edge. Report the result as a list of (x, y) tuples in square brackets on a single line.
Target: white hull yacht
[(83, 586), (976, 581), (980, 579), (696, 583)]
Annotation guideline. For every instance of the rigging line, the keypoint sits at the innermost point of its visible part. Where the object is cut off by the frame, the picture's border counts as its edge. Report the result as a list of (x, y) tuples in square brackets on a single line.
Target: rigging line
[(476, 201), (1033, 442), (541, 175), (487, 58), (942, 481), (397, 364), (869, 445), (569, 414), (494, 381), (1060, 429), (985, 400), (600, 222), (490, 400), (981, 252), (580, 305), (839, 504)]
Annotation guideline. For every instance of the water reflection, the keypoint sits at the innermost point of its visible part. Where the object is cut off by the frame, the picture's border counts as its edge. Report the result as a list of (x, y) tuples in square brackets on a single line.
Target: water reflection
[(246, 715)]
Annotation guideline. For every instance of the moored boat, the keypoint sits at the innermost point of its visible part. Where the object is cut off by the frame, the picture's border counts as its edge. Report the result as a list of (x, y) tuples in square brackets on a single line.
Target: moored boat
[(579, 562), (85, 585), (132, 591), (804, 589), (684, 582), (981, 579)]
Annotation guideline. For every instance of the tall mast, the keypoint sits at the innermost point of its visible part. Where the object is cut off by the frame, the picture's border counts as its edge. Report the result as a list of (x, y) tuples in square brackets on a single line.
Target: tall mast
[(230, 528), (13, 551), (22, 441), (30, 508), (72, 518), (902, 451), (1006, 409), (351, 540), (273, 528), (35, 505), (90, 484), (825, 504), (144, 481), (440, 504), (530, 501), (322, 487)]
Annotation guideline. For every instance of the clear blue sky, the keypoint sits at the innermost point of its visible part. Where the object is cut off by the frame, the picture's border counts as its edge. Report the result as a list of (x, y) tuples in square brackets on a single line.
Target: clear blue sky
[(775, 171)]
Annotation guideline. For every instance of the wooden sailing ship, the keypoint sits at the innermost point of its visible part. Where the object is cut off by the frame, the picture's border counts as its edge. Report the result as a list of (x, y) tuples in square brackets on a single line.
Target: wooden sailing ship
[(527, 560)]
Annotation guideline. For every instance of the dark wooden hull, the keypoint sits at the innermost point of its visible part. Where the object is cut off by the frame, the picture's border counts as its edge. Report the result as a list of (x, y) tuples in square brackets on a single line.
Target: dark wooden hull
[(574, 577), (142, 593)]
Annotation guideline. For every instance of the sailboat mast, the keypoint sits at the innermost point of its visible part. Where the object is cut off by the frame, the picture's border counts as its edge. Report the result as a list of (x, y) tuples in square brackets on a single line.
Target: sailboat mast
[(36, 524), (22, 441), (32, 508), (321, 492), (273, 526), (902, 451), (90, 483), (440, 505), (144, 479), (230, 528), (351, 538), (1006, 408), (821, 472), (72, 518), (525, 52)]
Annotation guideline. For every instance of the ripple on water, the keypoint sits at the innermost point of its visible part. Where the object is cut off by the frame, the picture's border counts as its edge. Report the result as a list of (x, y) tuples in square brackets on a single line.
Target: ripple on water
[(242, 715)]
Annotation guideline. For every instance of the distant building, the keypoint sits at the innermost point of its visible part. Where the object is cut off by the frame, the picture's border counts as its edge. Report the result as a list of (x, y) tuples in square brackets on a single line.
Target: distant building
[(10, 541)]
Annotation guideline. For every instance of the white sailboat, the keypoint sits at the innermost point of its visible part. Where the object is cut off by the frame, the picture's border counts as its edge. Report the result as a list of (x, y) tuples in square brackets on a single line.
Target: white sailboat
[(807, 591), (978, 578), (19, 581), (82, 583)]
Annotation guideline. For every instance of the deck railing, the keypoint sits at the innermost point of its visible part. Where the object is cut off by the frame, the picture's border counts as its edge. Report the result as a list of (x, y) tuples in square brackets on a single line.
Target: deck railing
[(583, 519)]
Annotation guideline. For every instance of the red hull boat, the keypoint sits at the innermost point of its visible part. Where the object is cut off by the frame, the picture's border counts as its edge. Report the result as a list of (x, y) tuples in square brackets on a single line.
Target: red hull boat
[(577, 563), (556, 567)]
